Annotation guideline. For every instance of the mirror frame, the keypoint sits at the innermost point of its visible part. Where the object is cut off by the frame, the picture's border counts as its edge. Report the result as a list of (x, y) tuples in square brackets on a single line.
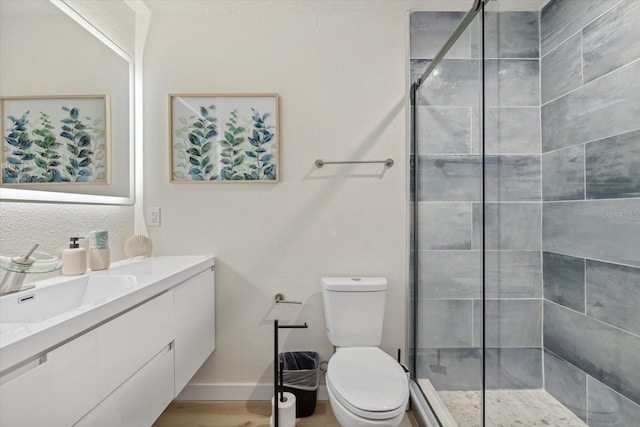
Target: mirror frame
[(12, 194)]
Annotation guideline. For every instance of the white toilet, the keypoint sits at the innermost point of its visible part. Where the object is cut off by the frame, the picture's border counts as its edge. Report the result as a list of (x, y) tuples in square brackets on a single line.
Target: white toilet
[(366, 386)]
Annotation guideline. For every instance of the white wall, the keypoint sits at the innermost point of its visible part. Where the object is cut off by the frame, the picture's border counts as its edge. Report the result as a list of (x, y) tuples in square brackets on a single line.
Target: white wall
[(340, 70)]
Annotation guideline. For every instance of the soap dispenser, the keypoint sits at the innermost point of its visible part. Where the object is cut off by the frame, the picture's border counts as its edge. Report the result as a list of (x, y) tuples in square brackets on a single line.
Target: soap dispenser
[(74, 258)]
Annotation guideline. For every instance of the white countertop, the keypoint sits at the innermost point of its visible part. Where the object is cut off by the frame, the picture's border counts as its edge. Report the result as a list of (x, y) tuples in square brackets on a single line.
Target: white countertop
[(153, 276)]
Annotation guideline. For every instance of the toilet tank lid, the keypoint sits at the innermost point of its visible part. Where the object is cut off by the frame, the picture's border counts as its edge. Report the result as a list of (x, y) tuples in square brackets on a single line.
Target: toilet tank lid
[(354, 284)]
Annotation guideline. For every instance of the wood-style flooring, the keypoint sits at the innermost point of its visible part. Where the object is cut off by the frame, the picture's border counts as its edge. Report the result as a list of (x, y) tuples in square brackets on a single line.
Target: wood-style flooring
[(244, 414)]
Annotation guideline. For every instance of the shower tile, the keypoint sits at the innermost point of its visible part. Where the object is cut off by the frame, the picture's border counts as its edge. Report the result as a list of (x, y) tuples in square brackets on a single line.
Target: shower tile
[(602, 351), (444, 323), (513, 368), (508, 323), (509, 130), (613, 294), (608, 408), (613, 167), (418, 67), (454, 82), (460, 369), (560, 19), (512, 82), (612, 40), (513, 274), (599, 229), (598, 110), (444, 130), (451, 368), (508, 226), (450, 178), (512, 178), (450, 274), (563, 174), (430, 30), (561, 69), (444, 226), (508, 35), (563, 278), (566, 383)]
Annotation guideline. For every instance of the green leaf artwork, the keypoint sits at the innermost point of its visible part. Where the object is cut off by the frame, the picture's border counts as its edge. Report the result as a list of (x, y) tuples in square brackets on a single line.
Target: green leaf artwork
[(224, 139), (38, 148)]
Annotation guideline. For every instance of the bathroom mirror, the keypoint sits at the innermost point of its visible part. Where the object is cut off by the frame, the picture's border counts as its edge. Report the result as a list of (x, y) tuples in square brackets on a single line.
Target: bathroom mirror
[(49, 50)]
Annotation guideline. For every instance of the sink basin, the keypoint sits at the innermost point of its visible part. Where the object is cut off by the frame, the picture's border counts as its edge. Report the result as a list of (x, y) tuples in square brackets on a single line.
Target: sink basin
[(46, 302)]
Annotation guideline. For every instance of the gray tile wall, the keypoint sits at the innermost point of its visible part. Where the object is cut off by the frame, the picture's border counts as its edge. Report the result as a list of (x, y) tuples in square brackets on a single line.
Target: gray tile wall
[(567, 383), (591, 215), (450, 192), (608, 408), (604, 352)]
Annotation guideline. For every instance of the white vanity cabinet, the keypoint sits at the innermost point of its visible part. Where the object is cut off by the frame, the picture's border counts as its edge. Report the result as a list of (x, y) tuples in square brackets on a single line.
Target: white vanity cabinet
[(124, 370), (195, 326)]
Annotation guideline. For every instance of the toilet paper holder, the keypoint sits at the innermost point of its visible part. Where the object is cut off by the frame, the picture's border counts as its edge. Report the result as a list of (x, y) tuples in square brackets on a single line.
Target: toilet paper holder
[(277, 369), (281, 299)]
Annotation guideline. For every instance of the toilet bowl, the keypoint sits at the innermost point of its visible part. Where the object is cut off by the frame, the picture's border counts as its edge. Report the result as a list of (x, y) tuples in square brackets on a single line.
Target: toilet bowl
[(366, 387)]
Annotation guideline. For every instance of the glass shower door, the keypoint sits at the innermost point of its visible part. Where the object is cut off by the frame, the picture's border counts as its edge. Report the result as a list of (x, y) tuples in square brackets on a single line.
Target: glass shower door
[(512, 222), (447, 201)]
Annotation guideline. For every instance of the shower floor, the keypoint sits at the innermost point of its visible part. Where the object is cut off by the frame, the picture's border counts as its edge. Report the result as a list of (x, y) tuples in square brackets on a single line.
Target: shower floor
[(509, 408), (505, 408)]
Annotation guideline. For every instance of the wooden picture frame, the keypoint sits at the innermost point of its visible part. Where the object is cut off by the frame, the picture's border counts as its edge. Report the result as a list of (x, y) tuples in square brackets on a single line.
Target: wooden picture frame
[(55, 140), (224, 138)]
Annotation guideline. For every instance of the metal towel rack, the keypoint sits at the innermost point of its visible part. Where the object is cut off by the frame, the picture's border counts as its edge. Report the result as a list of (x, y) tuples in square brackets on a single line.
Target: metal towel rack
[(388, 163)]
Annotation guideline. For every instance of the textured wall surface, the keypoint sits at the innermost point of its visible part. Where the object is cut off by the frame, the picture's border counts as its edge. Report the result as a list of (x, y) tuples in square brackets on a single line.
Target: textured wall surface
[(339, 68), (51, 225), (115, 19)]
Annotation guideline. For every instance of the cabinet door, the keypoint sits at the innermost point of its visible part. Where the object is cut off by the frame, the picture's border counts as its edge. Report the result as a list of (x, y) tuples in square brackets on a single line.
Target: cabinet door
[(25, 396), (194, 303), (140, 400)]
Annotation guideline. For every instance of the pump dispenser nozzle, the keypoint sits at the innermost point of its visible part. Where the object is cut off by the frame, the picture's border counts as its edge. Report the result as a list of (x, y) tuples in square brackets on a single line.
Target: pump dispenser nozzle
[(74, 242)]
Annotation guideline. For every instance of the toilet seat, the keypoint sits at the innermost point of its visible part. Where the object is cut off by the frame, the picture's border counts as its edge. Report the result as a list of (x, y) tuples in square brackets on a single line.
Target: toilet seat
[(367, 382)]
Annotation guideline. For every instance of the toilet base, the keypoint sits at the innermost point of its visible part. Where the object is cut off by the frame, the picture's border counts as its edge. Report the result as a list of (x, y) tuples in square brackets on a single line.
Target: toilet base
[(348, 419)]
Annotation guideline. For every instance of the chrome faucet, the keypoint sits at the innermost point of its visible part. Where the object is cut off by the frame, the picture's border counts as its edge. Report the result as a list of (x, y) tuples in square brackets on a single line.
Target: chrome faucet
[(19, 267)]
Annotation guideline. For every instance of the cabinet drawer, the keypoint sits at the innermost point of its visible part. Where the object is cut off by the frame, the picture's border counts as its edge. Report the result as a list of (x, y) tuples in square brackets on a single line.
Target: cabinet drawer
[(140, 400), (25, 399), (87, 369)]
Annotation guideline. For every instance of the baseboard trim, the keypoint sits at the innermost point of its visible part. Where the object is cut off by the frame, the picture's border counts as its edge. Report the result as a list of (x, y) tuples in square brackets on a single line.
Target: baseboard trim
[(235, 392)]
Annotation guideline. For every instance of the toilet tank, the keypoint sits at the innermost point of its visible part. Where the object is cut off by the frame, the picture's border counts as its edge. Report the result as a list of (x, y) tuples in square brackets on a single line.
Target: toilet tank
[(354, 310)]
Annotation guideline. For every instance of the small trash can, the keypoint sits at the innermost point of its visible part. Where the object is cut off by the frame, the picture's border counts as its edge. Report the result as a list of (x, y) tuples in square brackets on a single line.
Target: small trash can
[(300, 376)]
